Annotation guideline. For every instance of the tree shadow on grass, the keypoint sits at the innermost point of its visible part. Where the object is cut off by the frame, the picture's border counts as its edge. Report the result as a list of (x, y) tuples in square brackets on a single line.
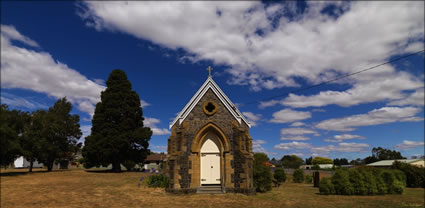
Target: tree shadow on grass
[(19, 173), (103, 171)]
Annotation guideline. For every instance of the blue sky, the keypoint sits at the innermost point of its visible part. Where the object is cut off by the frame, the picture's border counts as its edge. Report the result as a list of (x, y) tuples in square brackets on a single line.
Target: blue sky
[(55, 49)]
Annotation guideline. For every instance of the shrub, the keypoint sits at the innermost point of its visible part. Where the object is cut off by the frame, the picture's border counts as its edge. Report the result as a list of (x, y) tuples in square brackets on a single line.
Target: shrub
[(262, 173), (341, 182), (308, 179), (279, 175), (369, 182), (298, 176), (357, 180), (394, 186), (364, 181), (158, 180), (414, 176), (326, 187), (400, 176), (381, 186)]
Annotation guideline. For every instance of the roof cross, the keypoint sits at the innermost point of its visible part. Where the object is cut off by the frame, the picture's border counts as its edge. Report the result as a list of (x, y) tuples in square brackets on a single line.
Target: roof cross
[(209, 70)]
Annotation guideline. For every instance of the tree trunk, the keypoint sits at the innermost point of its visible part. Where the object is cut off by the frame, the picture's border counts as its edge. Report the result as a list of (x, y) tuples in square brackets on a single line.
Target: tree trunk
[(116, 167), (31, 164), (50, 166)]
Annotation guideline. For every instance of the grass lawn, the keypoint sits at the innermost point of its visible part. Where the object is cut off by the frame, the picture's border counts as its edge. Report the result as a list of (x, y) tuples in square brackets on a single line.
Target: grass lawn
[(78, 188)]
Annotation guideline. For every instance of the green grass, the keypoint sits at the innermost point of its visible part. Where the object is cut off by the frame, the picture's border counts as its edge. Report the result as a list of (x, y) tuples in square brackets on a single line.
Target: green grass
[(79, 188)]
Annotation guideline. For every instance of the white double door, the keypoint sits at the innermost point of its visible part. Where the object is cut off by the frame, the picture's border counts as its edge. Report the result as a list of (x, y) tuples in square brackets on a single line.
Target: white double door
[(210, 168)]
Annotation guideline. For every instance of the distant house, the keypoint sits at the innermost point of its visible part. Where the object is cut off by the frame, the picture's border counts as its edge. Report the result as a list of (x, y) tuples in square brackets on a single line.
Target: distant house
[(321, 166), (389, 163), (154, 162), (306, 167), (21, 162)]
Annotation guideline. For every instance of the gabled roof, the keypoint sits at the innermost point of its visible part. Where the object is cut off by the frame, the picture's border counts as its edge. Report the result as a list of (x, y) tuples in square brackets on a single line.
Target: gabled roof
[(390, 162), (210, 84), (155, 157)]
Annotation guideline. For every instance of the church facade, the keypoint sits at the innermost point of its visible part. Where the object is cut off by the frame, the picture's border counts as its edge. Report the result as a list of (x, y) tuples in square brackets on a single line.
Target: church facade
[(210, 145)]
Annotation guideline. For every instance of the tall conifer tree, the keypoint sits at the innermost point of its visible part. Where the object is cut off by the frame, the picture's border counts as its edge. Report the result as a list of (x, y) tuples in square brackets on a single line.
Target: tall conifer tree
[(117, 133)]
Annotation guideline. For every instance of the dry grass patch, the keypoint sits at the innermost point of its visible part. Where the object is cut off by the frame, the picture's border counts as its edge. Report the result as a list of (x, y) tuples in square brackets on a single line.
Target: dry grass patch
[(78, 188)]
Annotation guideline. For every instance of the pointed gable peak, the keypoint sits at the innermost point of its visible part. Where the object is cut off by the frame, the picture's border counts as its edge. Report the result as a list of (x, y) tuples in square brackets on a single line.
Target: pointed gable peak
[(210, 84)]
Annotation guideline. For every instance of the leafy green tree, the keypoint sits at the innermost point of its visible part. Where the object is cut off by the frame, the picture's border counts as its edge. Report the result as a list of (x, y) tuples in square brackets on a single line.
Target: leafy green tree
[(12, 124), (279, 175), (33, 135), (386, 154), (339, 162), (291, 161), (321, 160), (298, 176), (262, 173), (414, 176), (61, 133), (117, 133)]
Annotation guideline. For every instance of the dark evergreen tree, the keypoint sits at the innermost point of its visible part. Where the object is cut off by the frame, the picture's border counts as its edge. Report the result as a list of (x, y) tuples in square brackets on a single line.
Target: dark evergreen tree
[(308, 161), (61, 133), (32, 137), (117, 133), (12, 124)]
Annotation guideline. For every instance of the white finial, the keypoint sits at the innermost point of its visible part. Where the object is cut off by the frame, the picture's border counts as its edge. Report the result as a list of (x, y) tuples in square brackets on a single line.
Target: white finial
[(209, 70)]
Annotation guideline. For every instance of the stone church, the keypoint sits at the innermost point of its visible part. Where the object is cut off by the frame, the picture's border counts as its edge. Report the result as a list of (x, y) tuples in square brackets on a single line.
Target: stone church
[(210, 147)]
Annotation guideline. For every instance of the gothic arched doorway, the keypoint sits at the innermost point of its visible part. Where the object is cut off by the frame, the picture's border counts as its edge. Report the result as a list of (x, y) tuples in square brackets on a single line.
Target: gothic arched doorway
[(210, 162)]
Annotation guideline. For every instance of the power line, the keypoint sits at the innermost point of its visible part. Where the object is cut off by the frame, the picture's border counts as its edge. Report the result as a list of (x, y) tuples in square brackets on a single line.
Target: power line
[(335, 79)]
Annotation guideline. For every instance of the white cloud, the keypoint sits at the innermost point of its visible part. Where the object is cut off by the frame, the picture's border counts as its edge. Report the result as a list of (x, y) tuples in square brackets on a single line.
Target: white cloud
[(257, 146), (9, 32), (375, 117), (299, 154), (159, 148), (295, 138), (144, 104), (297, 124), (86, 130), (292, 145), (382, 85), (16, 101), (252, 118), (416, 98), (406, 144), (310, 45), (341, 147), (152, 122), (342, 137), (296, 131), (265, 104), (289, 115), (38, 71)]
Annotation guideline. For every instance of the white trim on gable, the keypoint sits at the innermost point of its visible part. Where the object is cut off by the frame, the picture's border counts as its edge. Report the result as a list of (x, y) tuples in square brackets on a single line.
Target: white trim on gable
[(210, 84)]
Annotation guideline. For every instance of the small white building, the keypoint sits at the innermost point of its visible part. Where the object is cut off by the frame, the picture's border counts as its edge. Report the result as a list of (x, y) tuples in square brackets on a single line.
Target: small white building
[(21, 162)]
